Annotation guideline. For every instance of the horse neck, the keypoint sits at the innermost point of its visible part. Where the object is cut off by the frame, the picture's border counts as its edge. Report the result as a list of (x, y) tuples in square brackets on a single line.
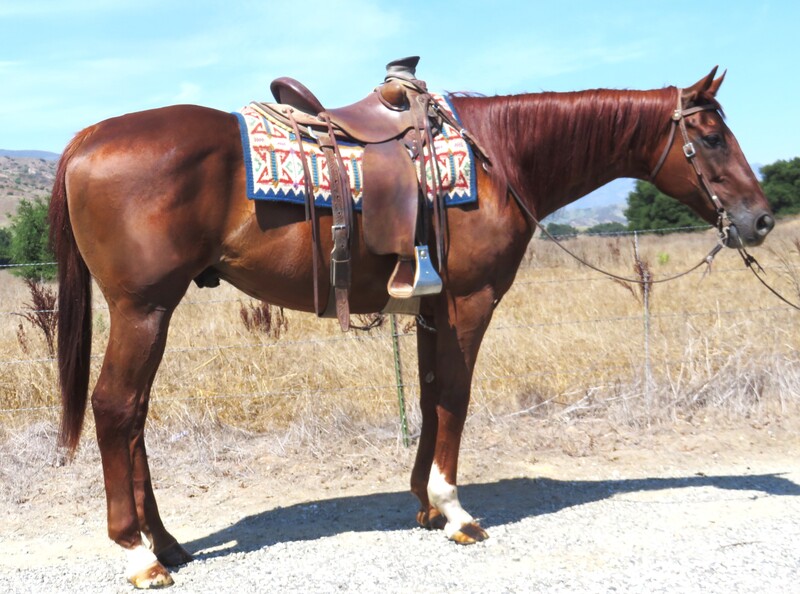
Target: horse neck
[(553, 148)]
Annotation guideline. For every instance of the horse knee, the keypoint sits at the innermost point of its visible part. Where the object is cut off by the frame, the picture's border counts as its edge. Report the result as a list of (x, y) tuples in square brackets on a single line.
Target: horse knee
[(123, 529), (112, 413)]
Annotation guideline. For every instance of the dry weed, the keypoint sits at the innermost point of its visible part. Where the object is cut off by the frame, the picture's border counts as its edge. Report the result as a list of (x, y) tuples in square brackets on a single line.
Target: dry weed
[(265, 318), (41, 314)]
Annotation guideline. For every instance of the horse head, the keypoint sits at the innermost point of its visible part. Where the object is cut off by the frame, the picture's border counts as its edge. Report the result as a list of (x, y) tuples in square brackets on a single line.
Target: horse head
[(705, 168)]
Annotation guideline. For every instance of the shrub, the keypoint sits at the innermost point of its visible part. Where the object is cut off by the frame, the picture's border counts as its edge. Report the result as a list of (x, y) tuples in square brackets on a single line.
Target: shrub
[(29, 241)]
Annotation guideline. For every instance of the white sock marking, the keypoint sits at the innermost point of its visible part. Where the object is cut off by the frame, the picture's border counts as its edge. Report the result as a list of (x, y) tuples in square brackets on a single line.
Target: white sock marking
[(444, 497), (139, 559)]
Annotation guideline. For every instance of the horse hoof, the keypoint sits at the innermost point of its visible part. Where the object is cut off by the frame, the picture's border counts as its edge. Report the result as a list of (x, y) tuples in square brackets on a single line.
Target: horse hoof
[(432, 519), (174, 555), (155, 576), (470, 533)]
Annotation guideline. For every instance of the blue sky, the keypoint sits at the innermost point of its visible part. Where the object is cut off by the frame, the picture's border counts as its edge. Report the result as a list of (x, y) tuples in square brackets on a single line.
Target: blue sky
[(65, 64)]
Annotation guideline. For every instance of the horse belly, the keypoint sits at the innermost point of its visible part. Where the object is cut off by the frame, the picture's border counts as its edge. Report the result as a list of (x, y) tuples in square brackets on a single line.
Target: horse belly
[(270, 258)]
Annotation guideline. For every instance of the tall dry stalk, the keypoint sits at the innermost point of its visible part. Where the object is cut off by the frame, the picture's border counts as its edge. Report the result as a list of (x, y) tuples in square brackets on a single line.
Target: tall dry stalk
[(265, 318), (41, 314)]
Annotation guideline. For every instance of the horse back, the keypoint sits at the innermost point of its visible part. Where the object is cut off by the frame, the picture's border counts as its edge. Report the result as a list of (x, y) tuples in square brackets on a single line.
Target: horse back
[(158, 197)]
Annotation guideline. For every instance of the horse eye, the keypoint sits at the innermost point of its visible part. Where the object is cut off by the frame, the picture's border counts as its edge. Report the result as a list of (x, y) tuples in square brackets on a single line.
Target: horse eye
[(712, 140)]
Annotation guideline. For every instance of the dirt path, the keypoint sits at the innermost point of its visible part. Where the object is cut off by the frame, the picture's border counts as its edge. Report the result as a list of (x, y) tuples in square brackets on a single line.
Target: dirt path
[(685, 509)]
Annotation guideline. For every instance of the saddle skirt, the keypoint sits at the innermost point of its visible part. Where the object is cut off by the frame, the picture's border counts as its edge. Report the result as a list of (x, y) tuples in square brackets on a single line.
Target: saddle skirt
[(274, 166)]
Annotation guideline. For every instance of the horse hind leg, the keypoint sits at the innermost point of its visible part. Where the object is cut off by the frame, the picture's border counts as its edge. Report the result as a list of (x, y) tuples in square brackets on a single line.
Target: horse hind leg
[(165, 546), (119, 402)]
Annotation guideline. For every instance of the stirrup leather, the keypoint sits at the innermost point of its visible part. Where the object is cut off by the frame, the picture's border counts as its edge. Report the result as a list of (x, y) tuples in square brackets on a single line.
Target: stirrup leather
[(414, 280)]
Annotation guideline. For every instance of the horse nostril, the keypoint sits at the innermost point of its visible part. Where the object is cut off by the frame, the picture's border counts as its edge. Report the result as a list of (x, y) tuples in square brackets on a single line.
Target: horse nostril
[(764, 224)]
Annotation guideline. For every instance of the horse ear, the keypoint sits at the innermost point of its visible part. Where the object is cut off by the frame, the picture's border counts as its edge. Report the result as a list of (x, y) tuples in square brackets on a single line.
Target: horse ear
[(716, 84), (706, 85)]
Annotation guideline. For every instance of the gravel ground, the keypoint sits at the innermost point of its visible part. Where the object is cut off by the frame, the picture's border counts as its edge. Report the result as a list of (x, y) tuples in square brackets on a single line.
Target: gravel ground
[(683, 510)]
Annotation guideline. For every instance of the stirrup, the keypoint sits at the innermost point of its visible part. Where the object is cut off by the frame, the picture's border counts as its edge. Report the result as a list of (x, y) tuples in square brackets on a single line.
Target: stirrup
[(424, 281)]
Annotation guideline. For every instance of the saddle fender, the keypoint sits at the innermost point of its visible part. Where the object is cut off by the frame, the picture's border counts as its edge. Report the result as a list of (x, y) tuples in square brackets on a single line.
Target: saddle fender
[(390, 201)]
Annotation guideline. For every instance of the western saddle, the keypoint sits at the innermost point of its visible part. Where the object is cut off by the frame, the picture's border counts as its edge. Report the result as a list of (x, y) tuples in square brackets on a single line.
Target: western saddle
[(396, 124)]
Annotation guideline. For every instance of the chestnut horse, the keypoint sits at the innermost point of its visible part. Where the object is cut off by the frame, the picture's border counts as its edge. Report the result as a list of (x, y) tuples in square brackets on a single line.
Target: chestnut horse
[(147, 202)]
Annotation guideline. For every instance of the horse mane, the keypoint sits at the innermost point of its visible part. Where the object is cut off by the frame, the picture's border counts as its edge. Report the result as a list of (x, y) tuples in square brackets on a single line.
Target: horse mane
[(539, 142)]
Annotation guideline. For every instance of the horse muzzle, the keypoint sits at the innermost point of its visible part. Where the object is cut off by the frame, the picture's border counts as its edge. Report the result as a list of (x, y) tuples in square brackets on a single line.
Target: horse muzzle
[(749, 232)]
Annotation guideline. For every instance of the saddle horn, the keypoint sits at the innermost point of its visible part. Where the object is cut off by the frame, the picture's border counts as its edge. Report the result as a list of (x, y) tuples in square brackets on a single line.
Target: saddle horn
[(404, 68)]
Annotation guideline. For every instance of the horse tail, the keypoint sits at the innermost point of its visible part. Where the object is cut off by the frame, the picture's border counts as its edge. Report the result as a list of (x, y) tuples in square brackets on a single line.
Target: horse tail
[(74, 307)]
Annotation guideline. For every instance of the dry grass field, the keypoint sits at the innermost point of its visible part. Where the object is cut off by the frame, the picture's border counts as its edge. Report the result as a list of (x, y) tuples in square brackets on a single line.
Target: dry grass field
[(565, 343)]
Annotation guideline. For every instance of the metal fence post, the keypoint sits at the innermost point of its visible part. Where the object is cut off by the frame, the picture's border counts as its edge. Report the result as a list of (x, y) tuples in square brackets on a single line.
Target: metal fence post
[(398, 374), (645, 275)]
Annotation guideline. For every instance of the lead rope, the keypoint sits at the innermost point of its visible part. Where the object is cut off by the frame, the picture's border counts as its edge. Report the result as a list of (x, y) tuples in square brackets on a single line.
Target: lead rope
[(707, 260), (757, 269)]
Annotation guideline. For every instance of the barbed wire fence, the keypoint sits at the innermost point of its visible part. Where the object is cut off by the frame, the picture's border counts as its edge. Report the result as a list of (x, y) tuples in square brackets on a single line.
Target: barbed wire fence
[(397, 335)]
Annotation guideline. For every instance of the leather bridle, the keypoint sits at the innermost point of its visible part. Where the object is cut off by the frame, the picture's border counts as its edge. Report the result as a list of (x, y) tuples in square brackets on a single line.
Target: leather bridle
[(678, 122), (723, 222)]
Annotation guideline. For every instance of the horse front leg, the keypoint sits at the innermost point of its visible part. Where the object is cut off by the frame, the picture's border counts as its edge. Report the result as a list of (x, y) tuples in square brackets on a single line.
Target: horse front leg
[(119, 402), (460, 325), (428, 516)]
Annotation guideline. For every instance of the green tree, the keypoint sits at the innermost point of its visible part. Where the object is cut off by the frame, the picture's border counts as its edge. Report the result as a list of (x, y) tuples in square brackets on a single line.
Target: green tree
[(781, 184), (5, 245), (607, 228), (650, 209), (29, 240), (561, 229)]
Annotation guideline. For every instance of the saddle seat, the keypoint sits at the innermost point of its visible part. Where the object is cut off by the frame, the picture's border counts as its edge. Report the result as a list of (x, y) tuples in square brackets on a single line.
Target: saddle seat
[(383, 115)]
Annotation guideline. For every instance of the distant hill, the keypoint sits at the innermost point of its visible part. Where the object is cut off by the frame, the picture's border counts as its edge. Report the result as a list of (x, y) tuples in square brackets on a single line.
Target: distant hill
[(583, 218), (23, 177), (46, 155), (614, 192), (604, 205)]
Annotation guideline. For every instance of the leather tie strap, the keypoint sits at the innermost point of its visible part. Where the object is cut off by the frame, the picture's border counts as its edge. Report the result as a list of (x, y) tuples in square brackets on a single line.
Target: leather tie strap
[(342, 205), (439, 210), (311, 214)]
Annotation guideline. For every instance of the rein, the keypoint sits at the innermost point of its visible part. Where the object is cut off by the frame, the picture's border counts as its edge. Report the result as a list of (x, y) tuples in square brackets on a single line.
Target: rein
[(723, 222)]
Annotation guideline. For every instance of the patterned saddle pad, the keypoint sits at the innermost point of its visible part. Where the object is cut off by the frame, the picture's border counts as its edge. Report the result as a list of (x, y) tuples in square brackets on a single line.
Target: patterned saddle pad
[(275, 170)]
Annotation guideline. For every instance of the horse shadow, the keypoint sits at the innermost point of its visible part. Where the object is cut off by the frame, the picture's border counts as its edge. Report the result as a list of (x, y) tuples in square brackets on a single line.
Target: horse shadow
[(506, 501)]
